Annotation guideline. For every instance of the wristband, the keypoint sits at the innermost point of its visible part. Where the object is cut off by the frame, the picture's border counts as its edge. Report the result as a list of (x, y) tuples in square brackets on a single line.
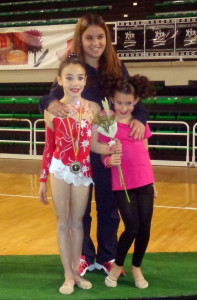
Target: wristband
[(105, 162)]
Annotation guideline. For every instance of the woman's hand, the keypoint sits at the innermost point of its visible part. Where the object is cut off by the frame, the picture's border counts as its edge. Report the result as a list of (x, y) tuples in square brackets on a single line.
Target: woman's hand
[(43, 193), (137, 129), (58, 109)]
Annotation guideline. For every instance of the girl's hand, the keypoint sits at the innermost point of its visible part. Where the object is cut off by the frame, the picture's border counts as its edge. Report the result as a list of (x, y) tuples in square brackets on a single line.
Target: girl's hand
[(155, 191), (114, 160), (117, 147), (43, 193), (137, 129)]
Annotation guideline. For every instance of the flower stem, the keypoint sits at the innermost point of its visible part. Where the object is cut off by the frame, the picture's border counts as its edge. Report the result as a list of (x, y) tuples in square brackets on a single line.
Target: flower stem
[(122, 180)]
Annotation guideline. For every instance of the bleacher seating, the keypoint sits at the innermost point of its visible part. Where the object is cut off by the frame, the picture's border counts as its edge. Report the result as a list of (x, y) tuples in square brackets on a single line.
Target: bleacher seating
[(27, 13), (176, 106), (24, 13), (174, 9)]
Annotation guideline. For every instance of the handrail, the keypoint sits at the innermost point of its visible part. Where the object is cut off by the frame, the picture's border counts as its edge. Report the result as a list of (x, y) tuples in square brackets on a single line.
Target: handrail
[(35, 136), (172, 134), (36, 130), (194, 135), (17, 129)]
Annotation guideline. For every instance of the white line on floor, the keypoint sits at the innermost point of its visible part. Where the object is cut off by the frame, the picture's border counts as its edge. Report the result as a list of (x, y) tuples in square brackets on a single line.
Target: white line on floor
[(158, 206), (21, 196), (176, 207)]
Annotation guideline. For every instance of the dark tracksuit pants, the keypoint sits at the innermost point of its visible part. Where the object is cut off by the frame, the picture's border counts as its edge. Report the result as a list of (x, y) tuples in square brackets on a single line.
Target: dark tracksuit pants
[(107, 216)]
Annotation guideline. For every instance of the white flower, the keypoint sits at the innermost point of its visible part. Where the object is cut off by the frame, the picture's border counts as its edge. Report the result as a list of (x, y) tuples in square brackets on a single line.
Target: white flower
[(105, 104), (111, 143), (112, 130)]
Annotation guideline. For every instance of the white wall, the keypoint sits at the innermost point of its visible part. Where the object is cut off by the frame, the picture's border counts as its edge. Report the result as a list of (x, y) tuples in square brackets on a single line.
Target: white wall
[(173, 73)]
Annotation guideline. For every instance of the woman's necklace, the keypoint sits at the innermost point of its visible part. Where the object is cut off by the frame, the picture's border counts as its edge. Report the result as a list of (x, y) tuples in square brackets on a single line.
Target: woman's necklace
[(76, 166)]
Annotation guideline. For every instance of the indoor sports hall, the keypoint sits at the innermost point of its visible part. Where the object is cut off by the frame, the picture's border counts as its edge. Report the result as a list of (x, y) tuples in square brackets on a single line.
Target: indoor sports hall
[(154, 38)]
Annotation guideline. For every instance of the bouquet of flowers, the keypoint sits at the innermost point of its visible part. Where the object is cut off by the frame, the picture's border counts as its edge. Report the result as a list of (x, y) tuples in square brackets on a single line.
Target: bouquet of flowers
[(108, 127)]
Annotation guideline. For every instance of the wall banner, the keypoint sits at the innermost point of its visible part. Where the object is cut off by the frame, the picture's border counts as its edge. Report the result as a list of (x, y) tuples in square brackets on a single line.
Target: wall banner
[(38, 47), (130, 39), (186, 37), (160, 38), (157, 39)]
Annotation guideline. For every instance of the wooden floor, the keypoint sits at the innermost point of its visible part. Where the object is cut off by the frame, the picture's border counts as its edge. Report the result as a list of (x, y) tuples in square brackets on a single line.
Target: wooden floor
[(27, 227)]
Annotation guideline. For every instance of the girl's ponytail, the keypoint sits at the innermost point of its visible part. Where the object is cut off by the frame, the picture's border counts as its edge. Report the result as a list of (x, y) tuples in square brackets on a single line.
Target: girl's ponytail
[(143, 87), (137, 85)]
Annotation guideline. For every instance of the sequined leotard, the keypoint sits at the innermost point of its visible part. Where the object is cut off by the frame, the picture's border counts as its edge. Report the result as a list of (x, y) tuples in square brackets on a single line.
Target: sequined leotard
[(58, 152)]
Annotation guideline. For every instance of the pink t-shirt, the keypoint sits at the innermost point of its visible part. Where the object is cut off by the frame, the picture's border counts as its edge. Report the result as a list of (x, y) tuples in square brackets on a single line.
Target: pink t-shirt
[(135, 161)]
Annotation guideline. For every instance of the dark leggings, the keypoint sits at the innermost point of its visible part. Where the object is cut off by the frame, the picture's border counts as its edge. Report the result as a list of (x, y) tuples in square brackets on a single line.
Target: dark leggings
[(136, 216)]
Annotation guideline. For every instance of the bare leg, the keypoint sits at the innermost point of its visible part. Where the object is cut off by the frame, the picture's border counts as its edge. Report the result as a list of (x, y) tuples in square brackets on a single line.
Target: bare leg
[(79, 200), (61, 192)]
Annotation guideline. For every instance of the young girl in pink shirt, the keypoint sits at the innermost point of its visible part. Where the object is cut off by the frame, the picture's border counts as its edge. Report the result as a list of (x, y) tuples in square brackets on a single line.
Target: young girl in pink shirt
[(138, 176)]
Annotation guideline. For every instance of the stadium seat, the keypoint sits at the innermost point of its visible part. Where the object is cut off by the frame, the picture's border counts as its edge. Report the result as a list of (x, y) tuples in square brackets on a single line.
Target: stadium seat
[(7, 100), (165, 116), (6, 115), (148, 101), (22, 115), (36, 116), (186, 100), (176, 3), (165, 100), (187, 117), (24, 100)]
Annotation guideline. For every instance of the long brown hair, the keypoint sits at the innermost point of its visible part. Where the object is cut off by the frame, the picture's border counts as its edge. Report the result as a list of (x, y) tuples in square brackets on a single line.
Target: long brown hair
[(109, 63)]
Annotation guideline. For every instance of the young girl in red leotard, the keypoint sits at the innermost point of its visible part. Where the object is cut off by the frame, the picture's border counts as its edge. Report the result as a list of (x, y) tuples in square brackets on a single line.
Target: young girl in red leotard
[(66, 158)]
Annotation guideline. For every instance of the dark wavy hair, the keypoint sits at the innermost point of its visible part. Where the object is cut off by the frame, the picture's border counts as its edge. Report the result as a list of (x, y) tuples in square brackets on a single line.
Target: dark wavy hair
[(137, 85)]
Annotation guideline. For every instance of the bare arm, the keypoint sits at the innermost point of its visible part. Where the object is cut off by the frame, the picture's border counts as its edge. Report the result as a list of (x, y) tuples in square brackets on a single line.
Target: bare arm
[(154, 187), (43, 193), (98, 147)]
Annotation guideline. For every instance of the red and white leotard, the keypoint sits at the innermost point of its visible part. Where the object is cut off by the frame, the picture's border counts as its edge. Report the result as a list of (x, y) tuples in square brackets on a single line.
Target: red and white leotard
[(58, 152)]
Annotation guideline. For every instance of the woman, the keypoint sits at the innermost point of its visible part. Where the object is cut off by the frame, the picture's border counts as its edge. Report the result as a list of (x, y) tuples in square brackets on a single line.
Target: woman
[(92, 44)]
